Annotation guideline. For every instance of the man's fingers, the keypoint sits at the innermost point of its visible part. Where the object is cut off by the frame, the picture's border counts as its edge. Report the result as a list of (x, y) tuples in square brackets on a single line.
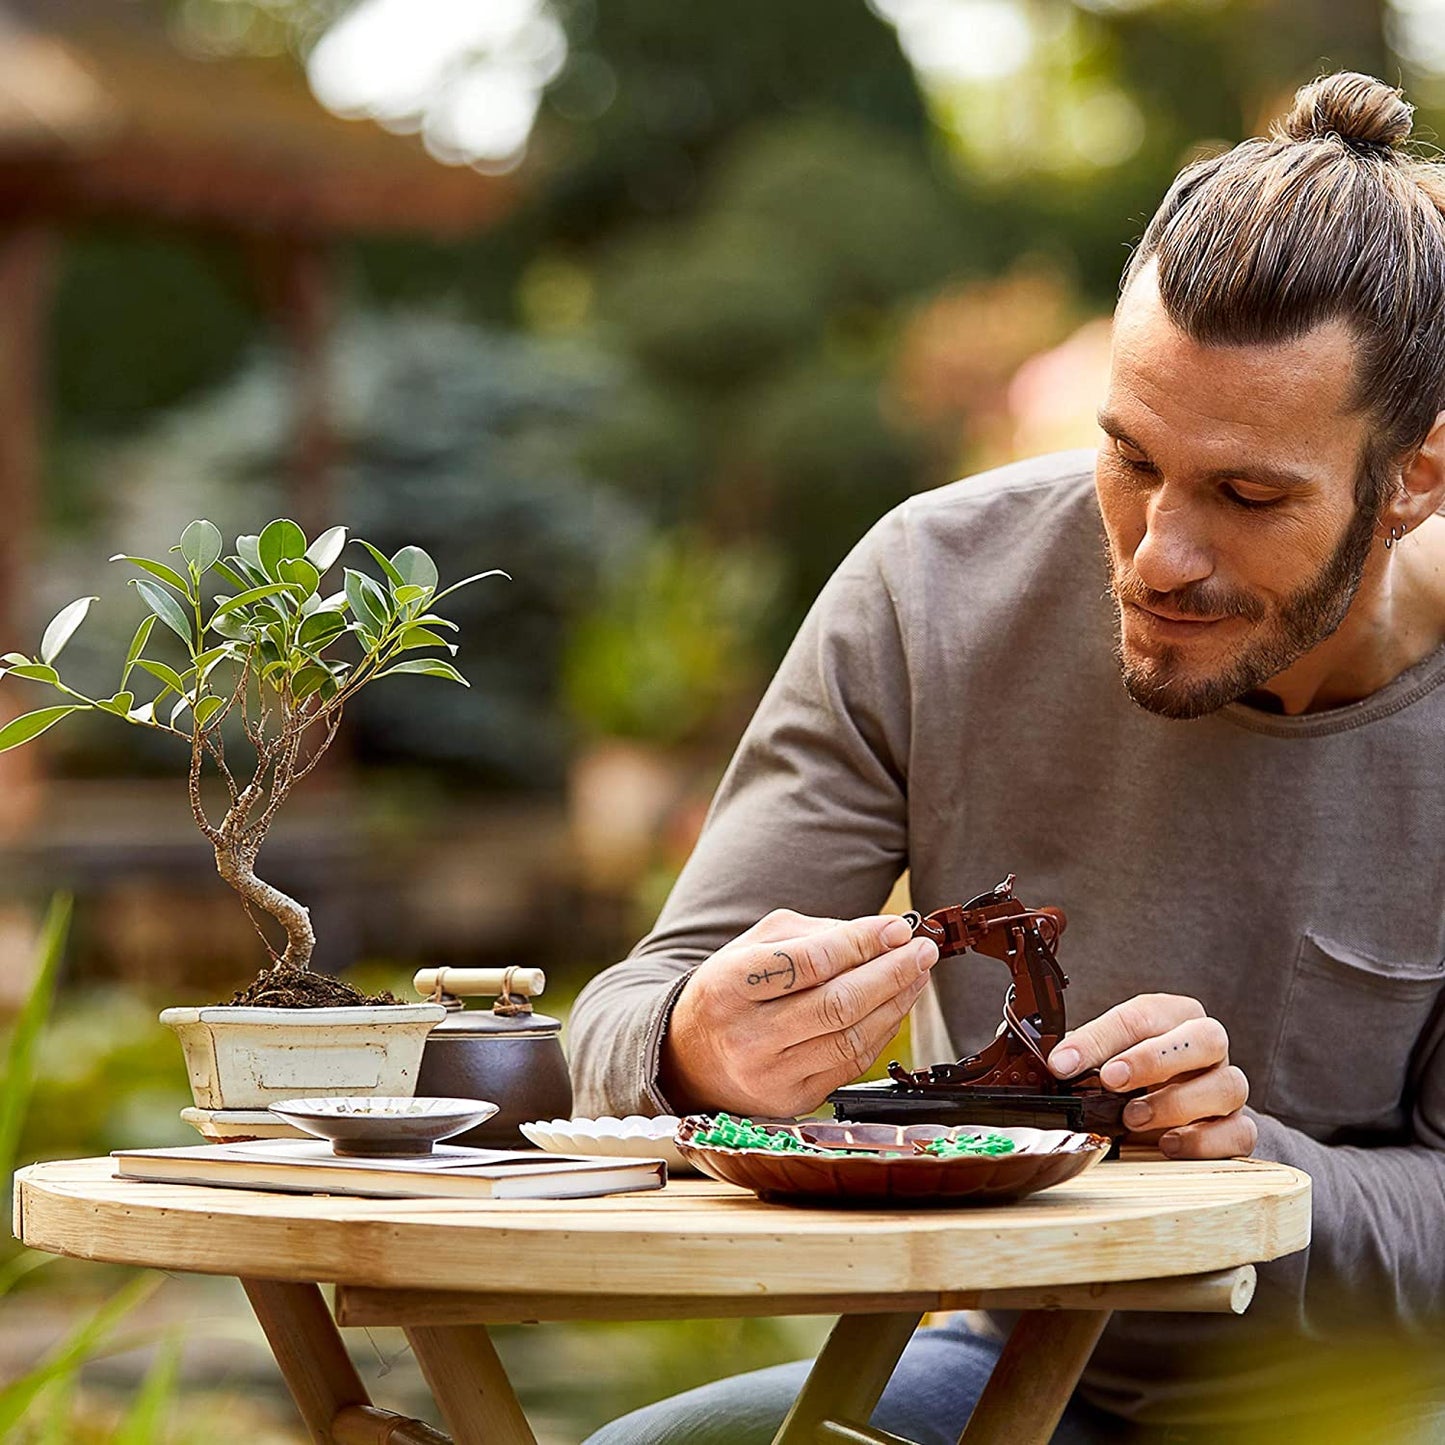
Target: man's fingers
[(842, 1002), (783, 923), (1214, 1093), (1212, 1138), (1145, 1016), (787, 965), (832, 1059), (1196, 1044)]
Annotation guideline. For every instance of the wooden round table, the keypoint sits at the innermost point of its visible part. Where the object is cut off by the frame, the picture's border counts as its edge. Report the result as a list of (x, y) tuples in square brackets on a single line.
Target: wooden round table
[(1138, 1233)]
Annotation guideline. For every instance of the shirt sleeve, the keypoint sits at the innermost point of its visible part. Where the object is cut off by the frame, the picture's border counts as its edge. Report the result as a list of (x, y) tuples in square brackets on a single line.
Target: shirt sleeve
[(1378, 1213), (811, 815)]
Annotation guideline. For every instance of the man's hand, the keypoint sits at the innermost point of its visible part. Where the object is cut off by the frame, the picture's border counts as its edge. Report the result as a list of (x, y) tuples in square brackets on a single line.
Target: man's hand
[(1166, 1043), (789, 1010)]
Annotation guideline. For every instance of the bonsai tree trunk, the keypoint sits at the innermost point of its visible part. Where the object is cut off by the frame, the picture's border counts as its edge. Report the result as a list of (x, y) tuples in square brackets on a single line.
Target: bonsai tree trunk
[(235, 863)]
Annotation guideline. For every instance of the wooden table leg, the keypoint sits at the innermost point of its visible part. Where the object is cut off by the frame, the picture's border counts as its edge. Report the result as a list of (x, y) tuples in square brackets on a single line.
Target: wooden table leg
[(847, 1378), (308, 1348), (323, 1382), (1034, 1377), (467, 1380)]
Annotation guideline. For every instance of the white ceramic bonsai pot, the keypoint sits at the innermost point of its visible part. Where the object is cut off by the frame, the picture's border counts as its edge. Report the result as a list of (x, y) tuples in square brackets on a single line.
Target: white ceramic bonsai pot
[(243, 1058)]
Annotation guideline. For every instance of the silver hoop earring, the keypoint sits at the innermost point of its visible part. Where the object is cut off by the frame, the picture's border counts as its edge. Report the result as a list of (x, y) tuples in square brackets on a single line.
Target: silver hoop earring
[(1396, 533)]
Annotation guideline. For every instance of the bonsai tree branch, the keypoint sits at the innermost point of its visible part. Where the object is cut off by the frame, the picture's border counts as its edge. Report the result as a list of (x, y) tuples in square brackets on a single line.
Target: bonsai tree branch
[(198, 809)]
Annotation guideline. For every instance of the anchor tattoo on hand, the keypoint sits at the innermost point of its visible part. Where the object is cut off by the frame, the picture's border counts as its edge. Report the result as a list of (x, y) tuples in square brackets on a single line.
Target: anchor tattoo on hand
[(790, 972)]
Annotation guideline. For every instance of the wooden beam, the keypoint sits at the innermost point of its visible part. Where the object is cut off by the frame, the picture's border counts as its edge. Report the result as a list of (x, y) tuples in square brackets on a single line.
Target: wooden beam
[(1225, 1291), (848, 1377), (307, 302), (467, 1380), (308, 1348), (1034, 1378), (366, 1425), (27, 266), (294, 279)]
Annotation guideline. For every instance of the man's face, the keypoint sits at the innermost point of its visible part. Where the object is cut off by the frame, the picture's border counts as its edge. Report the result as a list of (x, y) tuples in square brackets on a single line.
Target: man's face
[(1226, 481)]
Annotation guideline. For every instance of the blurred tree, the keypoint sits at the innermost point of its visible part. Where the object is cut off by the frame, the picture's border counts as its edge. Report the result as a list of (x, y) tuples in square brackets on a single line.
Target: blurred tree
[(465, 441)]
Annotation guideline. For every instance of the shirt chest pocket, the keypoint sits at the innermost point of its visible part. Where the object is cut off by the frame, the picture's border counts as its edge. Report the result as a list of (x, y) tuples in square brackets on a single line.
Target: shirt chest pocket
[(1348, 1028)]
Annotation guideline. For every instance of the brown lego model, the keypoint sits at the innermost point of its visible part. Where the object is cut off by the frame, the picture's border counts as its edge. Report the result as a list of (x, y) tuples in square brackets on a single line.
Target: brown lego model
[(1009, 1082)]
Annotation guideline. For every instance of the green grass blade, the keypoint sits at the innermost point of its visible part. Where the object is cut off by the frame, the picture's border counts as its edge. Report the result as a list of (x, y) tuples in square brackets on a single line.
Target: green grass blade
[(59, 1414), (144, 1422), (18, 1077), (27, 1262), (73, 1351)]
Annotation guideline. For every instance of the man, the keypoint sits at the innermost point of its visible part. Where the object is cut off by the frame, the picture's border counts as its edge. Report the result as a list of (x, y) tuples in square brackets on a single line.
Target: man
[(1246, 836)]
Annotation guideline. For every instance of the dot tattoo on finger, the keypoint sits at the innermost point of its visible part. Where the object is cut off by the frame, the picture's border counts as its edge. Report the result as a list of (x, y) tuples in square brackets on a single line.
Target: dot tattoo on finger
[(768, 974)]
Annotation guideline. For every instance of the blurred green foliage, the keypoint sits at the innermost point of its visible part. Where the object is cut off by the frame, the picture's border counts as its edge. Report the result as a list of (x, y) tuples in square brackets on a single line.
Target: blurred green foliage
[(671, 643)]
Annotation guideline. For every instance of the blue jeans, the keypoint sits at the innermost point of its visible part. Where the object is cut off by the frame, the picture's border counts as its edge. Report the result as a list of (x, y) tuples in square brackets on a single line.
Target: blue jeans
[(929, 1399)]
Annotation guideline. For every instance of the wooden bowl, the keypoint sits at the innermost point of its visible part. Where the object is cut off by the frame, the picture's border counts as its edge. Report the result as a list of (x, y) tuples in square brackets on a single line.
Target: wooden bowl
[(896, 1176)]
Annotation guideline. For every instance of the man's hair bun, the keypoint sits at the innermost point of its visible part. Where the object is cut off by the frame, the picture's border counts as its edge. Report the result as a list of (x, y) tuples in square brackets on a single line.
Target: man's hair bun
[(1362, 111)]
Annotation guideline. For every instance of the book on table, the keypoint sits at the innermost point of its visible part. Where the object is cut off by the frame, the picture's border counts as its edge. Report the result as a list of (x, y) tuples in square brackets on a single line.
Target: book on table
[(450, 1171)]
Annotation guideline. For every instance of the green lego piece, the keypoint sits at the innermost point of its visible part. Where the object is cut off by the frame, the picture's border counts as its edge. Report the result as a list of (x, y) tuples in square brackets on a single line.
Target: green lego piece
[(970, 1144)]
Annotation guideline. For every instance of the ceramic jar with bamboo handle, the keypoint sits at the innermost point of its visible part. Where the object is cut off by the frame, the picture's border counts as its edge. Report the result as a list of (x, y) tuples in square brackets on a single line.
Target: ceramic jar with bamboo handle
[(507, 1054)]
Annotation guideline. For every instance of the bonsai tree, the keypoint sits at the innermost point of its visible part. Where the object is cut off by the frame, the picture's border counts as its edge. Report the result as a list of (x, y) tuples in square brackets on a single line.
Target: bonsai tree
[(269, 665)]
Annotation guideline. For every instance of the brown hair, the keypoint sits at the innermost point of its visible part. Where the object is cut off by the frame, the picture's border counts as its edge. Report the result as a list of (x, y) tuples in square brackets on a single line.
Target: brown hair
[(1329, 218)]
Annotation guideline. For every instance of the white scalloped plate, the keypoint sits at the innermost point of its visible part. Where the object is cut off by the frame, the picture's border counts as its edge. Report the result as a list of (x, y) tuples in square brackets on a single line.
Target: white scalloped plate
[(635, 1137)]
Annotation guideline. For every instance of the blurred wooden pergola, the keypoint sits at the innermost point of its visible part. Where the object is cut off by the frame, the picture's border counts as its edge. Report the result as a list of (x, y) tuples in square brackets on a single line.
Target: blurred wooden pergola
[(104, 119)]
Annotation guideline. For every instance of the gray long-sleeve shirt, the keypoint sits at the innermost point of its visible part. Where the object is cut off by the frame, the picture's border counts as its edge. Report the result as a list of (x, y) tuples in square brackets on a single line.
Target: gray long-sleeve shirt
[(952, 705)]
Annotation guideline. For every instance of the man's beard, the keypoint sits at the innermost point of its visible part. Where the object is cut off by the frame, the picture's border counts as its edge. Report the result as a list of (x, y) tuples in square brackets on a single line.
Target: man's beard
[(1303, 621)]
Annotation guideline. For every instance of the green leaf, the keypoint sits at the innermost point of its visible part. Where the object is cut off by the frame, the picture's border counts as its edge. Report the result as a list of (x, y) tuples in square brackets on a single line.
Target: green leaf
[(337, 602), (15, 659), (324, 551), (320, 628), (137, 646), (245, 599), (201, 545), (167, 675), (167, 609), (158, 569), (467, 582), (62, 628), (416, 567), (32, 724), (248, 549), (280, 541), (36, 672), (17, 1080), (230, 576), (432, 620), (428, 667), (145, 713), (309, 680), (302, 573), (230, 627), (405, 596), (392, 575), (204, 661), (424, 637), (368, 601), (120, 704), (207, 708)]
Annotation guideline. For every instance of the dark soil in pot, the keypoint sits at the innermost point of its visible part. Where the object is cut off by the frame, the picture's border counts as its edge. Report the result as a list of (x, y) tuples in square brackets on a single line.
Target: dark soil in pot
[(286, 986)]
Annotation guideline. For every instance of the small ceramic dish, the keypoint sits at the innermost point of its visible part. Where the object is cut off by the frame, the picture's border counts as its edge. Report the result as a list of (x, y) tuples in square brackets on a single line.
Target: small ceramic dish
[(365, 1125), (895, 1174), (635, 1137)]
